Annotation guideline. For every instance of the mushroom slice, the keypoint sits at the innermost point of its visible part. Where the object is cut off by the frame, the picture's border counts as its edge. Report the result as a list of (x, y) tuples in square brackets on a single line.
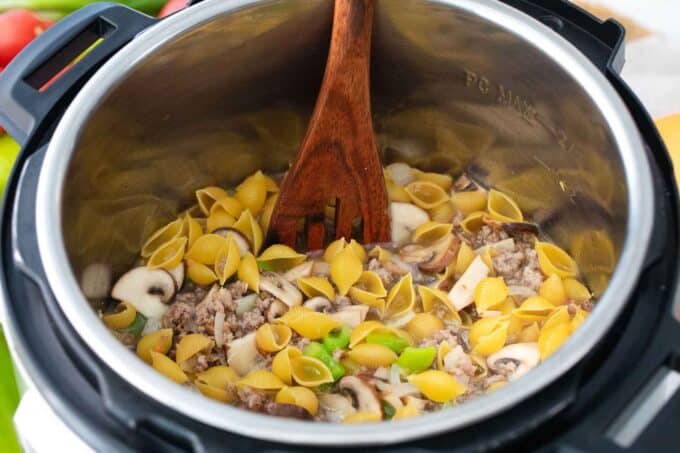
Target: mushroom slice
[(405, 217), (318, 304), (363, 395), (95, 281), (280, 288), (276, 310), (177, 273), (524, 356), (352, 315), (463, 292), (443, 258), (299, 271), (243, 243), (335, 406), (288, 411), (515, 228), (148, 290), (243, 355), (415, 253)]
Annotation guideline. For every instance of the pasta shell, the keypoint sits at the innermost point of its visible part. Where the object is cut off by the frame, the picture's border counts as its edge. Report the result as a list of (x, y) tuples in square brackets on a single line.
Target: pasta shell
[(209, 195), (400, 298), (364, 297), (124, 315), (437, 385), (442, 180), (299, 396), (310, 372), (495, 386), (363, 417), (395, 192), (430, 232), (503, 208), (261, 380), (372, 355), (473, 222), (167, 367), (280, 257), (530, 333), (370, 282), (360, 332), (333, 249), (219, 394), (158, 341), (490, 293), (578, 319), (252, 192), (205, 248), (443, 349), (506, 307), (467, 202), (227, 260), (227, 205), (272, 338), (380, 253), (200, 273), (358, 250), (487, 256), (408, 411), (270, 184), (168, 255), (346, 268), (576, 290), (194, 229), (309, 324), (281, 366), (491, 343), (553, 290), (559, 316), (481, 368), (191, 345), (465, 256), (164, 234), (426, 195), (267, 210), (552, 338), (554, 260), (215, 383), (488, 335), (443, 213), (534, 308), (248, 272), (247, 225), (217, 220), (424, 325), (316, 286)]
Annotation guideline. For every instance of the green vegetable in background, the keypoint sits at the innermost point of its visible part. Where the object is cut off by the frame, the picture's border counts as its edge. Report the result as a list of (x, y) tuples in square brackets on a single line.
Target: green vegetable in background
[(8, 153), (417, 359), (317, 351), (9, 399)]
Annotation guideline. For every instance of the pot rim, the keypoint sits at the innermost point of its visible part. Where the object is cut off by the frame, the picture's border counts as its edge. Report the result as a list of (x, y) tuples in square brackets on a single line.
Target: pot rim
[(85, 321)]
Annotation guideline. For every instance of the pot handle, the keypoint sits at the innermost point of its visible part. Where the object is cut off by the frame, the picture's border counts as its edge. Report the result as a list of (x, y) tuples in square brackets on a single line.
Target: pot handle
[(601, 42), (34, 86)]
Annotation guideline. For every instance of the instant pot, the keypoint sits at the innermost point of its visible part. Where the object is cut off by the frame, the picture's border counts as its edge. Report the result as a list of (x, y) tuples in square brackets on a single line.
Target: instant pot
[(524, 96)]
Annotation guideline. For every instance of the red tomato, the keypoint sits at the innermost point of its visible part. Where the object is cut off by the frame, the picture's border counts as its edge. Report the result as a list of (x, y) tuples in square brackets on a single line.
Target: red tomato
[(172, 6), (18, 27)]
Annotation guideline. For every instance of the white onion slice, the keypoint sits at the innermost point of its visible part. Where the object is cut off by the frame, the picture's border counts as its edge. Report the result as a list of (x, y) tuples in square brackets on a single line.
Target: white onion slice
[(219, 329), (245, 304)]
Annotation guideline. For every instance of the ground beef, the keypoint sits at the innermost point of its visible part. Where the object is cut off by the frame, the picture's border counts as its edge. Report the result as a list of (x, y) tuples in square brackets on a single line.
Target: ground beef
[(238, 289), (450, 334), (459, 364), (191, 295), (217, 301), (519, 266), (204, 360), (488, 234), (299, 342), (385, 275), (252, 399), (180, 318)]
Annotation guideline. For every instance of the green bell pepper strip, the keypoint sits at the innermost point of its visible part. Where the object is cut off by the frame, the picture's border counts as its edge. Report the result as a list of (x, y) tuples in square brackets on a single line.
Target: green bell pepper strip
[(337, 338), (415, 360), (394, 342), (388, 410), (137, 325), (317, 351)]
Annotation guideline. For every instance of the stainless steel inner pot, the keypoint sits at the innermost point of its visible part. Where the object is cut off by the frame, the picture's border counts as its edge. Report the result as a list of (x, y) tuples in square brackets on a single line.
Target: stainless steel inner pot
[(224, 88)]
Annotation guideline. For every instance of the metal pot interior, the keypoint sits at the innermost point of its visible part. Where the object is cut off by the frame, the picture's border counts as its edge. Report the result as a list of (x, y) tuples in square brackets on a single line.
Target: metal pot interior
[(452, 90)]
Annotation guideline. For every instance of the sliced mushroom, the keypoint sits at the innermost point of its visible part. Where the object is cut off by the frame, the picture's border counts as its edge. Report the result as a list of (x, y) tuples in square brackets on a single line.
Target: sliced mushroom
[(276, 310), (280, 288), (299, 271), (416, 253), (364, 398), (318, 304), (524, 357), (463, 292), (443, 258), (405, 217), (352, 315), (148, 290), (335, 406), (288, 410), (95, 281), (244, 245), (243, 355), (515, 228), (177, 273)]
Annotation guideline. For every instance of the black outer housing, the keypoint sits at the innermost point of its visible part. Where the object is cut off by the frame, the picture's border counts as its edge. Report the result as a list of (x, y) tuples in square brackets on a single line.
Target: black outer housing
[(572, 414)]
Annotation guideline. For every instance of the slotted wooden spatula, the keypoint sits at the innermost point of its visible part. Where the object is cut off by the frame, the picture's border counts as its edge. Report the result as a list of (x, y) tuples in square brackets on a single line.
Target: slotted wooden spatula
[(337, 163)]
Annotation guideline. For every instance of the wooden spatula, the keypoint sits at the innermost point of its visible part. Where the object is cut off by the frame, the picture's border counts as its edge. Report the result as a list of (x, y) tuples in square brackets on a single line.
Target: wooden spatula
[(337, 163)]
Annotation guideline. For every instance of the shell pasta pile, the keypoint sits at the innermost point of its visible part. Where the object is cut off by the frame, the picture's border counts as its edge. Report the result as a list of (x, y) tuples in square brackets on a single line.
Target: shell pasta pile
[(465, 298)]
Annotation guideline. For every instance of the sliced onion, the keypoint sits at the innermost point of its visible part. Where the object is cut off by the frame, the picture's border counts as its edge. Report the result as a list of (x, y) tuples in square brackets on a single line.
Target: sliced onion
[(219, 329), (245, 304), (382, 373), (395, 374), (404, 389), (152, 325)]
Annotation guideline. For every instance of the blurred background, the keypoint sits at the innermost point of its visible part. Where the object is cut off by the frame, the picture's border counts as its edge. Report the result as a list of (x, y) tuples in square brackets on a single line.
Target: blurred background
[(652, 69)]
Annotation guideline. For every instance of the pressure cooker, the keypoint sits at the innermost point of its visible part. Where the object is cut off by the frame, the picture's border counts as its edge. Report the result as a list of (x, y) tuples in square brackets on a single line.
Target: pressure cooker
[(522, 95)]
